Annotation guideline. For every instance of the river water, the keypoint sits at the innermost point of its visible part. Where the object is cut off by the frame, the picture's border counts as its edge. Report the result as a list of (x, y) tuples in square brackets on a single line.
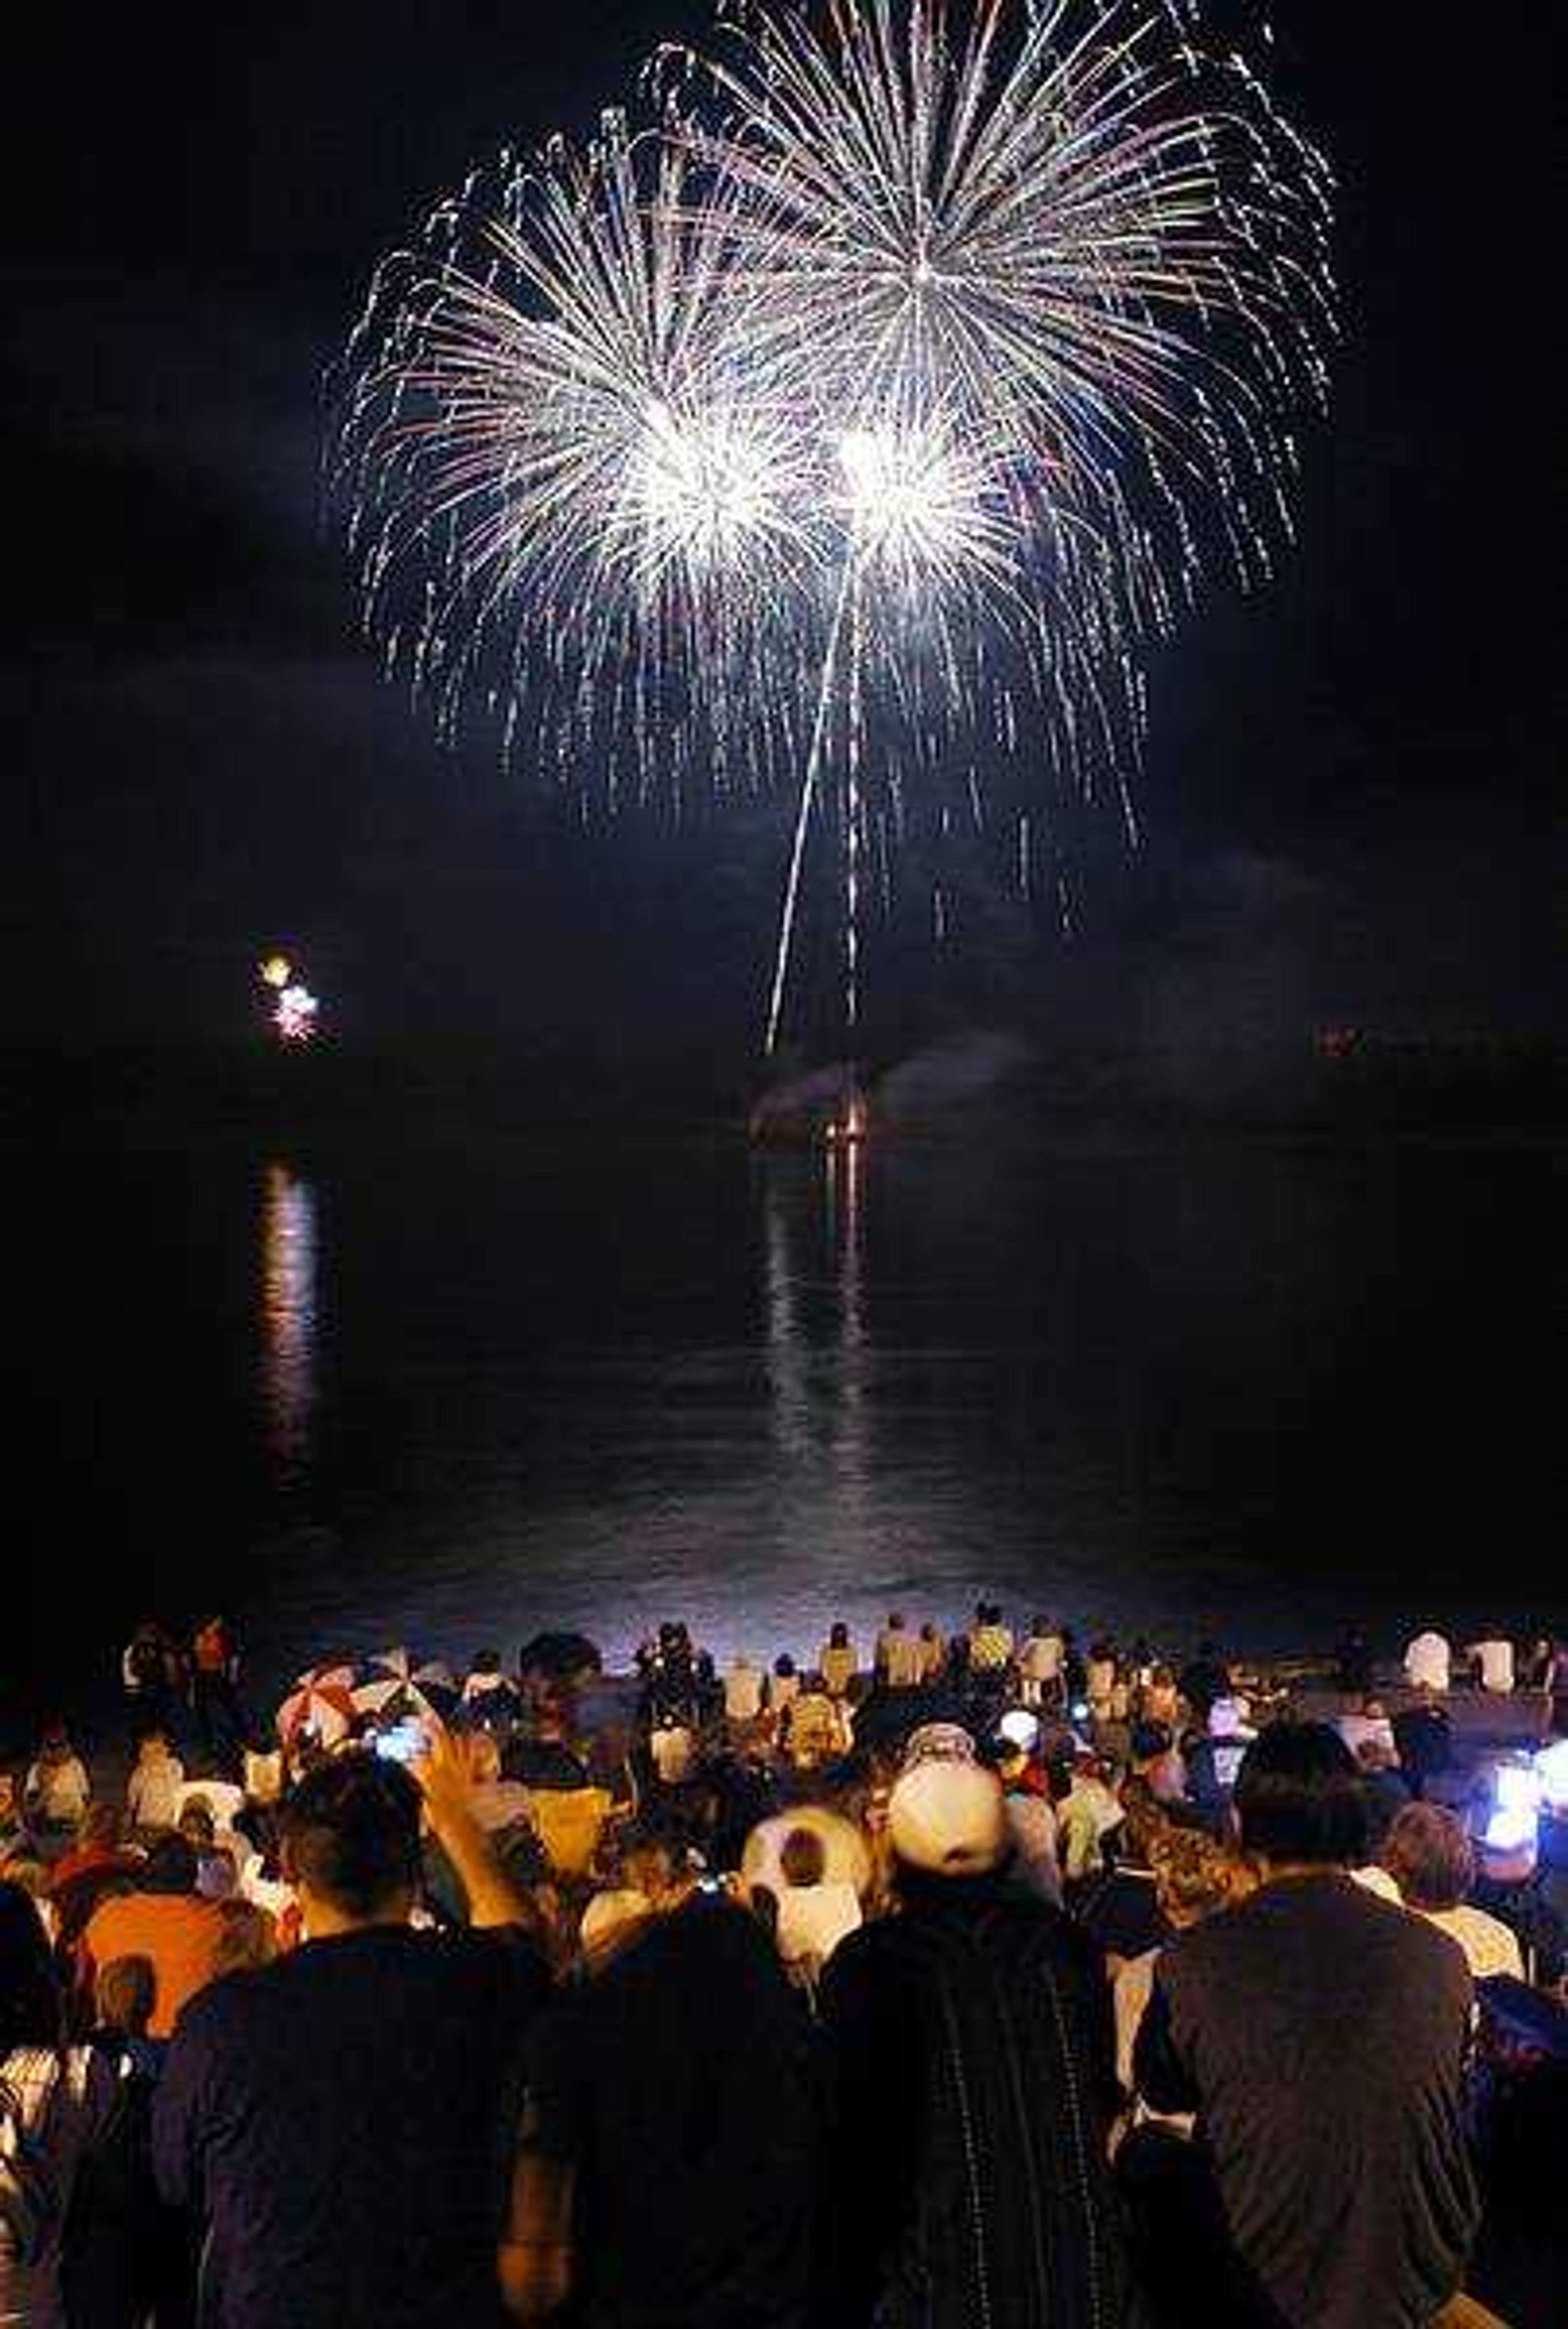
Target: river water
[(453, 1390)]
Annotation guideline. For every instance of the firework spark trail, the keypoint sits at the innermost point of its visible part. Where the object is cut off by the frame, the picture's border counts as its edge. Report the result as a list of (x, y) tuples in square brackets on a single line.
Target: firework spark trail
[(809, 784), (913, 374)]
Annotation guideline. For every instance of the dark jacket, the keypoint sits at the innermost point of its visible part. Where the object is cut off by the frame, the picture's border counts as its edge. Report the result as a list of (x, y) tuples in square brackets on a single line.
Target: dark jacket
[(971, 2067)]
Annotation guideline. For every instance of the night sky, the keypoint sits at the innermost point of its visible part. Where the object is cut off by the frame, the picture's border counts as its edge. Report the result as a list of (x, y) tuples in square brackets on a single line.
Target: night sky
[(1347, 792)]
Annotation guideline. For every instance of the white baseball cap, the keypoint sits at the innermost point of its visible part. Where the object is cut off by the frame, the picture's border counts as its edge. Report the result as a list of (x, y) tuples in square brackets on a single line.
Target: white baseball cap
[(946, 1817)]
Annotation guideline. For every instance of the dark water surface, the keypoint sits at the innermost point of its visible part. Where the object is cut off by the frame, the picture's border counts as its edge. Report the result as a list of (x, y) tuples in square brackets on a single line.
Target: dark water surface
[(452, 1391)]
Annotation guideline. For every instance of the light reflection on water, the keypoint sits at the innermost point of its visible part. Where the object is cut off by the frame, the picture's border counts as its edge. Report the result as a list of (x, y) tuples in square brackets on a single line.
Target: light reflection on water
[(287, 1315), (761, 1391)]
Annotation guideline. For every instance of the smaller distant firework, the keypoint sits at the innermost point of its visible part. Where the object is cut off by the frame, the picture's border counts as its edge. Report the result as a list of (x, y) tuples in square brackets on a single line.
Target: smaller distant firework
[(295, 1013)]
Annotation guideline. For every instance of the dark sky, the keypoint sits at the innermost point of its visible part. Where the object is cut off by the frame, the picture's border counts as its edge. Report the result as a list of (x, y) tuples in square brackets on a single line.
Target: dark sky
[(1346, 796)]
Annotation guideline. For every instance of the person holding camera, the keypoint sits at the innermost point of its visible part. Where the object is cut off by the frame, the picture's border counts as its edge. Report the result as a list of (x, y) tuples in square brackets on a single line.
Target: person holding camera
[(337, 2120)]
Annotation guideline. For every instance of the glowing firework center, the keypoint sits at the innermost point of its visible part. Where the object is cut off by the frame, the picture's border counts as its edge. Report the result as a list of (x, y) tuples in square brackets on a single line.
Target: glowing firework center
[(700, 488)]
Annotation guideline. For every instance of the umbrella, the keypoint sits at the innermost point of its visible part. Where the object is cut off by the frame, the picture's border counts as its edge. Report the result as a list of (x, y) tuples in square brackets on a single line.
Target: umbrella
[(321, 1704), (431, 1680), (388, 1700), (338, 1676), (557, 1657)]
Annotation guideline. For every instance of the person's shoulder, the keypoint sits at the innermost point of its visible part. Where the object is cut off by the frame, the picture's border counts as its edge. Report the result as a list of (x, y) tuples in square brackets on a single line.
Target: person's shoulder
[(870, 1956), (501, 1957), (1214, 1948), (121, 1914), (223, 2015), (1467, 1918)]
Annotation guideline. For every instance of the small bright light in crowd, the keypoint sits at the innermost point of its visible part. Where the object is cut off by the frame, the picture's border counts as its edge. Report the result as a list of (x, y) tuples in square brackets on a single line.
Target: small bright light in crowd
[(1516, 1788), (1511, 1828), (1019, 1726), (1551, 1765), (277, 970)]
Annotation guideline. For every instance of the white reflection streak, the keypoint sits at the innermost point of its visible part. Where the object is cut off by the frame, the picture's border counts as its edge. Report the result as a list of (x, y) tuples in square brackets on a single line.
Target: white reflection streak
[(845, 1168), (288, 1314), (786, 1352)]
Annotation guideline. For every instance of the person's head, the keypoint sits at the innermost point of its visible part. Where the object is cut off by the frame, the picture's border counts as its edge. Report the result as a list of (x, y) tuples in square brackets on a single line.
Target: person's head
[(154, 1746), (351, 1844), (1429, 1856), (170, 1866), (487, 1662), (102, 1828), (1143, 1823), (946, 1818), (1162, 1678), (609, 1921), (1298, 1799), (552, 1719), (803, 1857), (1376, 1755), (1227, 1719), (928, 1631), (982, 1613), (55, 1746), (895, 1621), (654, 1865), (124, 1993), (196, 1824), (246, 1939), (1194, 1876), (1148, 1744), (32, 2011), (937, 1742), (1041, 1628), (838, 1635), (784, 1665)]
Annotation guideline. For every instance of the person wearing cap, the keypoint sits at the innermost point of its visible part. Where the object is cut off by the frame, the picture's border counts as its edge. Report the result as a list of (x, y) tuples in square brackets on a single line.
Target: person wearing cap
[(970, 2050)]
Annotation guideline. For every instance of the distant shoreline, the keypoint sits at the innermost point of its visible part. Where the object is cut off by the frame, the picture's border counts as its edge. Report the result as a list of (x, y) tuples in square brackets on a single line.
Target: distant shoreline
[(1503, 1088)]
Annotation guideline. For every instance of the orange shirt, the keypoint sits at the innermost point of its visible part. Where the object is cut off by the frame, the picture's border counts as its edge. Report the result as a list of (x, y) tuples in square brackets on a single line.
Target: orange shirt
[(177, 1931)]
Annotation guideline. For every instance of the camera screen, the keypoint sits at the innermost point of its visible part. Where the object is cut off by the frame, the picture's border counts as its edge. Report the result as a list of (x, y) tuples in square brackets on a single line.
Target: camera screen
[(402, 1743)]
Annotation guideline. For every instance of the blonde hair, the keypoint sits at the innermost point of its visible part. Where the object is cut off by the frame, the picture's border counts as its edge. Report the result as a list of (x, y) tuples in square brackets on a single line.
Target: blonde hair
[(1194, 1875)]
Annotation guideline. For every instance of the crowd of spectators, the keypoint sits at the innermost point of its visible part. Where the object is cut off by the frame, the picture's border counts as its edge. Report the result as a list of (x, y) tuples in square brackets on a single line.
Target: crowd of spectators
[(974, 1979)]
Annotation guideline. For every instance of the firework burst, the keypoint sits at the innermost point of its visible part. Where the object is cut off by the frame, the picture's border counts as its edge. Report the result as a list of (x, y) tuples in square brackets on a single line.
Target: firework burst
[(867, 419), (570, 495)]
